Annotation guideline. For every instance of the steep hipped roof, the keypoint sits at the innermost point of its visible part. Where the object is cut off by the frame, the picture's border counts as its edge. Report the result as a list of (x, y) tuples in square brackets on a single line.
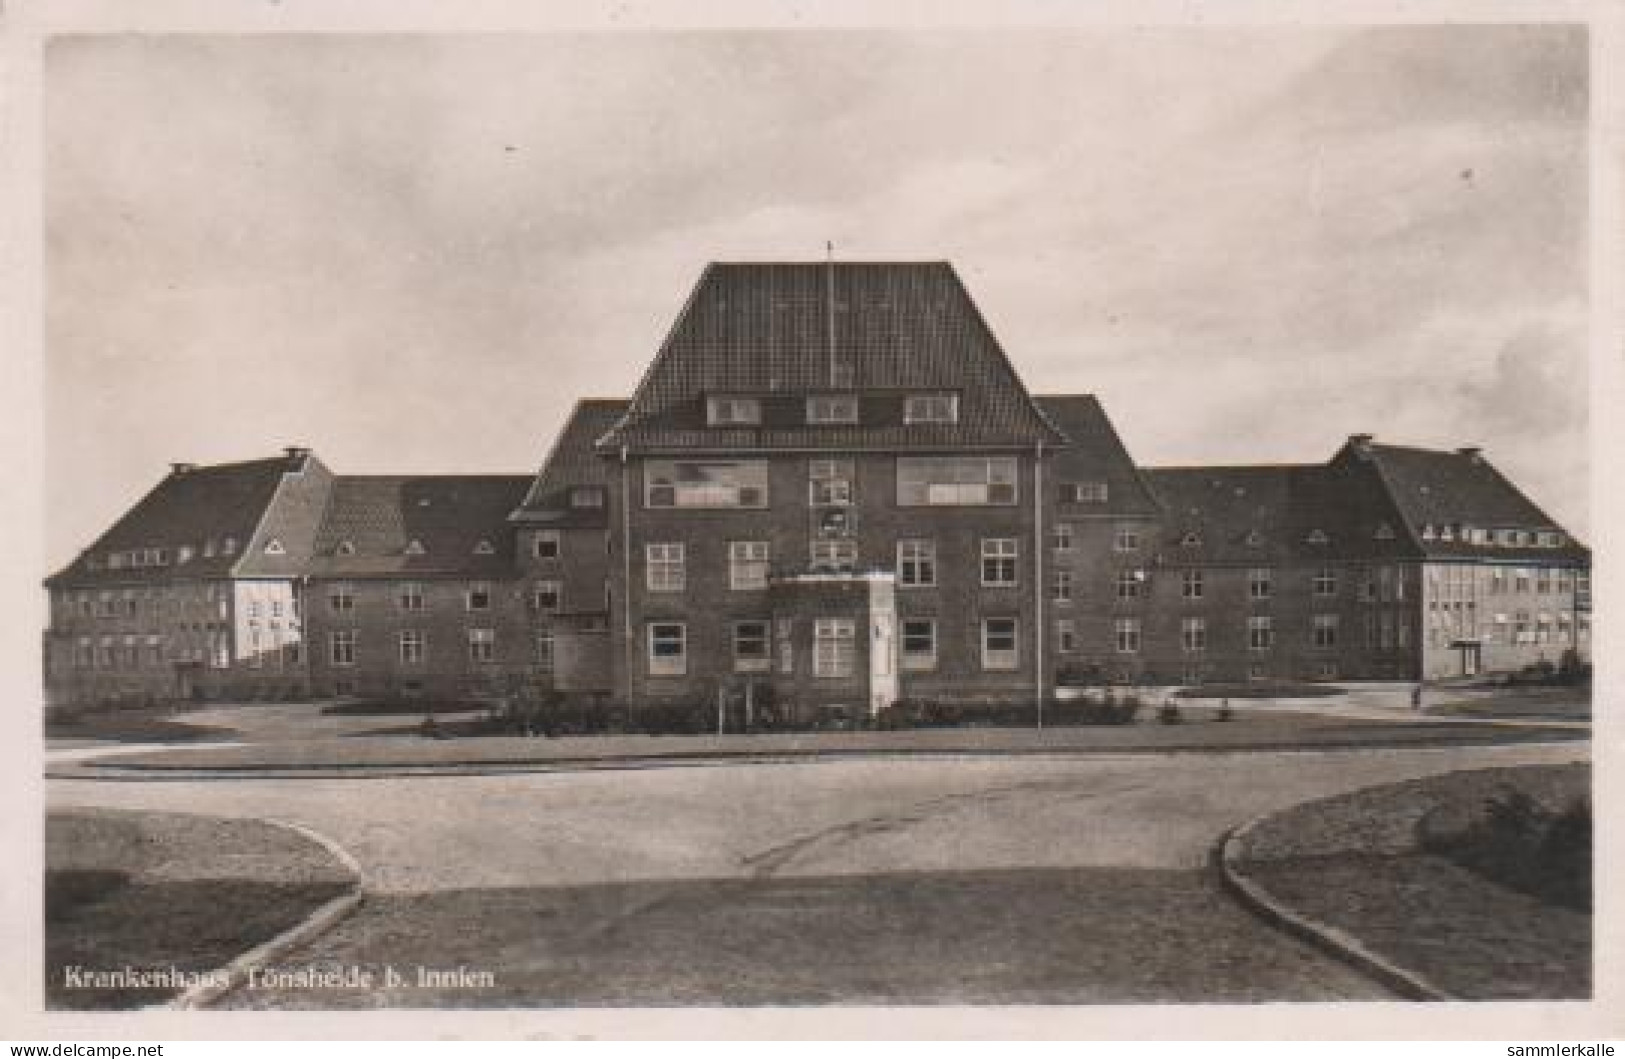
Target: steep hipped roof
[(774, 330), (199, 508), (1461, 488), (1094, 453), (382, 525), (573, 461)]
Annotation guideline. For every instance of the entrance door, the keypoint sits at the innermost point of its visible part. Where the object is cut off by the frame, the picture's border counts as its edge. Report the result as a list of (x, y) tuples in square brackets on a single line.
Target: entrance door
[(883, 687), (1469, 659)]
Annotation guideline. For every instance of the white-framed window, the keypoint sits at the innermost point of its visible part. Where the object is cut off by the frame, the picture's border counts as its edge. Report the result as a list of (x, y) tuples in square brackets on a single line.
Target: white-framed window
[(705, 483), (1193, 634), (834, 647), (341, 597), (1126, 539), (1130, 583), (919, 644), (1001, 649), (411, 647), (837, 554), (1088, 492), (752, 652), (545, 545), (916, 563), (478, 596), (546, 597), (1066, 636), (1191, 584), (830, 482), (411, 596), (1060, 586), (747, 565), (1543, 579), (341, 647), (1260, 633), (962, 481), (482, 644), (668, 648), (587, 496), (484, 547), (1260, 583), (1325, 629), (664, 567), (1060, 536), (999, 561), (1520, 580), (1318, 536), (546, 646), (1326, 581), (414, 548), (729, 411), (938, 407), (832, 408), (1127, 635)]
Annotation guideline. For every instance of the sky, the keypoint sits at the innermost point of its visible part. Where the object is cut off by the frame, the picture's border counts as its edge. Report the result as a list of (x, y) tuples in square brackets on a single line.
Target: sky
[(415, 253)]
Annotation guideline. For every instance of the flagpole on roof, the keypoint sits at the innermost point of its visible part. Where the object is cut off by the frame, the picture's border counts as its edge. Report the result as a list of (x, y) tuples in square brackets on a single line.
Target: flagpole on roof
[(829, 305)]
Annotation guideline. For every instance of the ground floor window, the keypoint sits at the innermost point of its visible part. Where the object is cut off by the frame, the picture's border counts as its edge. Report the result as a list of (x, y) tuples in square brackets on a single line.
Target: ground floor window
[(1260, 633), (544, 651), (1325, 630), (1066, 636), (999, 647), (1193, 634), (834, 647), (751, 653), (1127, 632), (668, 649), (482, 645), (341, 647), (411, 647), (919, 644)]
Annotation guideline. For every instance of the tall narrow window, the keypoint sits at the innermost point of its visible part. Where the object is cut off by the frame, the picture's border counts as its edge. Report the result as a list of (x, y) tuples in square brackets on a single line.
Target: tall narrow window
[(482, 645), (1326, 581), (1193, 634), (1000, 646), (919, 644), (1127, 632), (1260, 583), (545, 646), (750, 642), (341, 597), (747, 565), (1061, 586), (916, 563), (411, 596), (1325, 629), (341, 647), (668, 649), (1191, 584), (665, 568), (411, 645), (1260, 633), (1061, 537), (999, 562)]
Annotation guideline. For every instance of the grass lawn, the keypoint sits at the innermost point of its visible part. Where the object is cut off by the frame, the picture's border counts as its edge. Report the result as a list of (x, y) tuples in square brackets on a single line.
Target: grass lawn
[(1248, 731), (1260, 690), (1357, 862), (164, 890), (1554, 704), (146, 724)]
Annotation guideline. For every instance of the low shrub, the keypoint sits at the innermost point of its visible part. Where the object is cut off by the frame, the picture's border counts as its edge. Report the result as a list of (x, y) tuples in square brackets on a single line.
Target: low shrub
[(1517, 842)]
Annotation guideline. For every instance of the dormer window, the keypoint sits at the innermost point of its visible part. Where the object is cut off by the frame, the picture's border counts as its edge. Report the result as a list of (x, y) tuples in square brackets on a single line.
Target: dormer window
[(941, 407), (1318, 537), (414, 547), (1191, 539), (484, 548), (1428, 532), (1447, 532), (832, 408), (1385, 532), (229, 547), (733, 411), (345, 548), (1089, 492), (1254, 539), (274, 547)]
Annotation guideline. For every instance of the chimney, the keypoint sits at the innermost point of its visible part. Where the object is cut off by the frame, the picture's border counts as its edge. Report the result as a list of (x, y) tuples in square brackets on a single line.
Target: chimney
[(182, 468), (296, 452), (1472, 452), (1361, 444)]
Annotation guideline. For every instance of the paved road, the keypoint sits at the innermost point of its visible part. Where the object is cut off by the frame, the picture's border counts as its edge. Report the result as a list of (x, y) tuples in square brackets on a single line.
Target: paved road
[(1026, 879)]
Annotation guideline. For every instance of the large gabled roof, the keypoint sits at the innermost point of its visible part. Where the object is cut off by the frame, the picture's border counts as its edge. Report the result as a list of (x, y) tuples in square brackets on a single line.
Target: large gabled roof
[(573, 461), (1095, 453), (193, 507), (774, 330), (417, 525), (1459, 488)]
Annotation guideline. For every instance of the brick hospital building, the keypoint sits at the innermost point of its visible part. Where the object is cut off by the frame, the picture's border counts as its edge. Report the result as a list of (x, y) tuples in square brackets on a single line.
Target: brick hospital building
[(830, 487)]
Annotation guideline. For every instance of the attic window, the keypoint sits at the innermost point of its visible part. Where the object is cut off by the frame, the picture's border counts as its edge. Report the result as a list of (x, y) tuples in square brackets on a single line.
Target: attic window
[(733, 411), (941, 407), (414, 548), (823, 408), (1191, 539), (1384, 532), (586, 496), (1318, 537), (184, 553), (274, 547), (229, 547), (1427, 532), (484, 548), (345, 548), (1089, 493), (1447, 532), (1254, 539)]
